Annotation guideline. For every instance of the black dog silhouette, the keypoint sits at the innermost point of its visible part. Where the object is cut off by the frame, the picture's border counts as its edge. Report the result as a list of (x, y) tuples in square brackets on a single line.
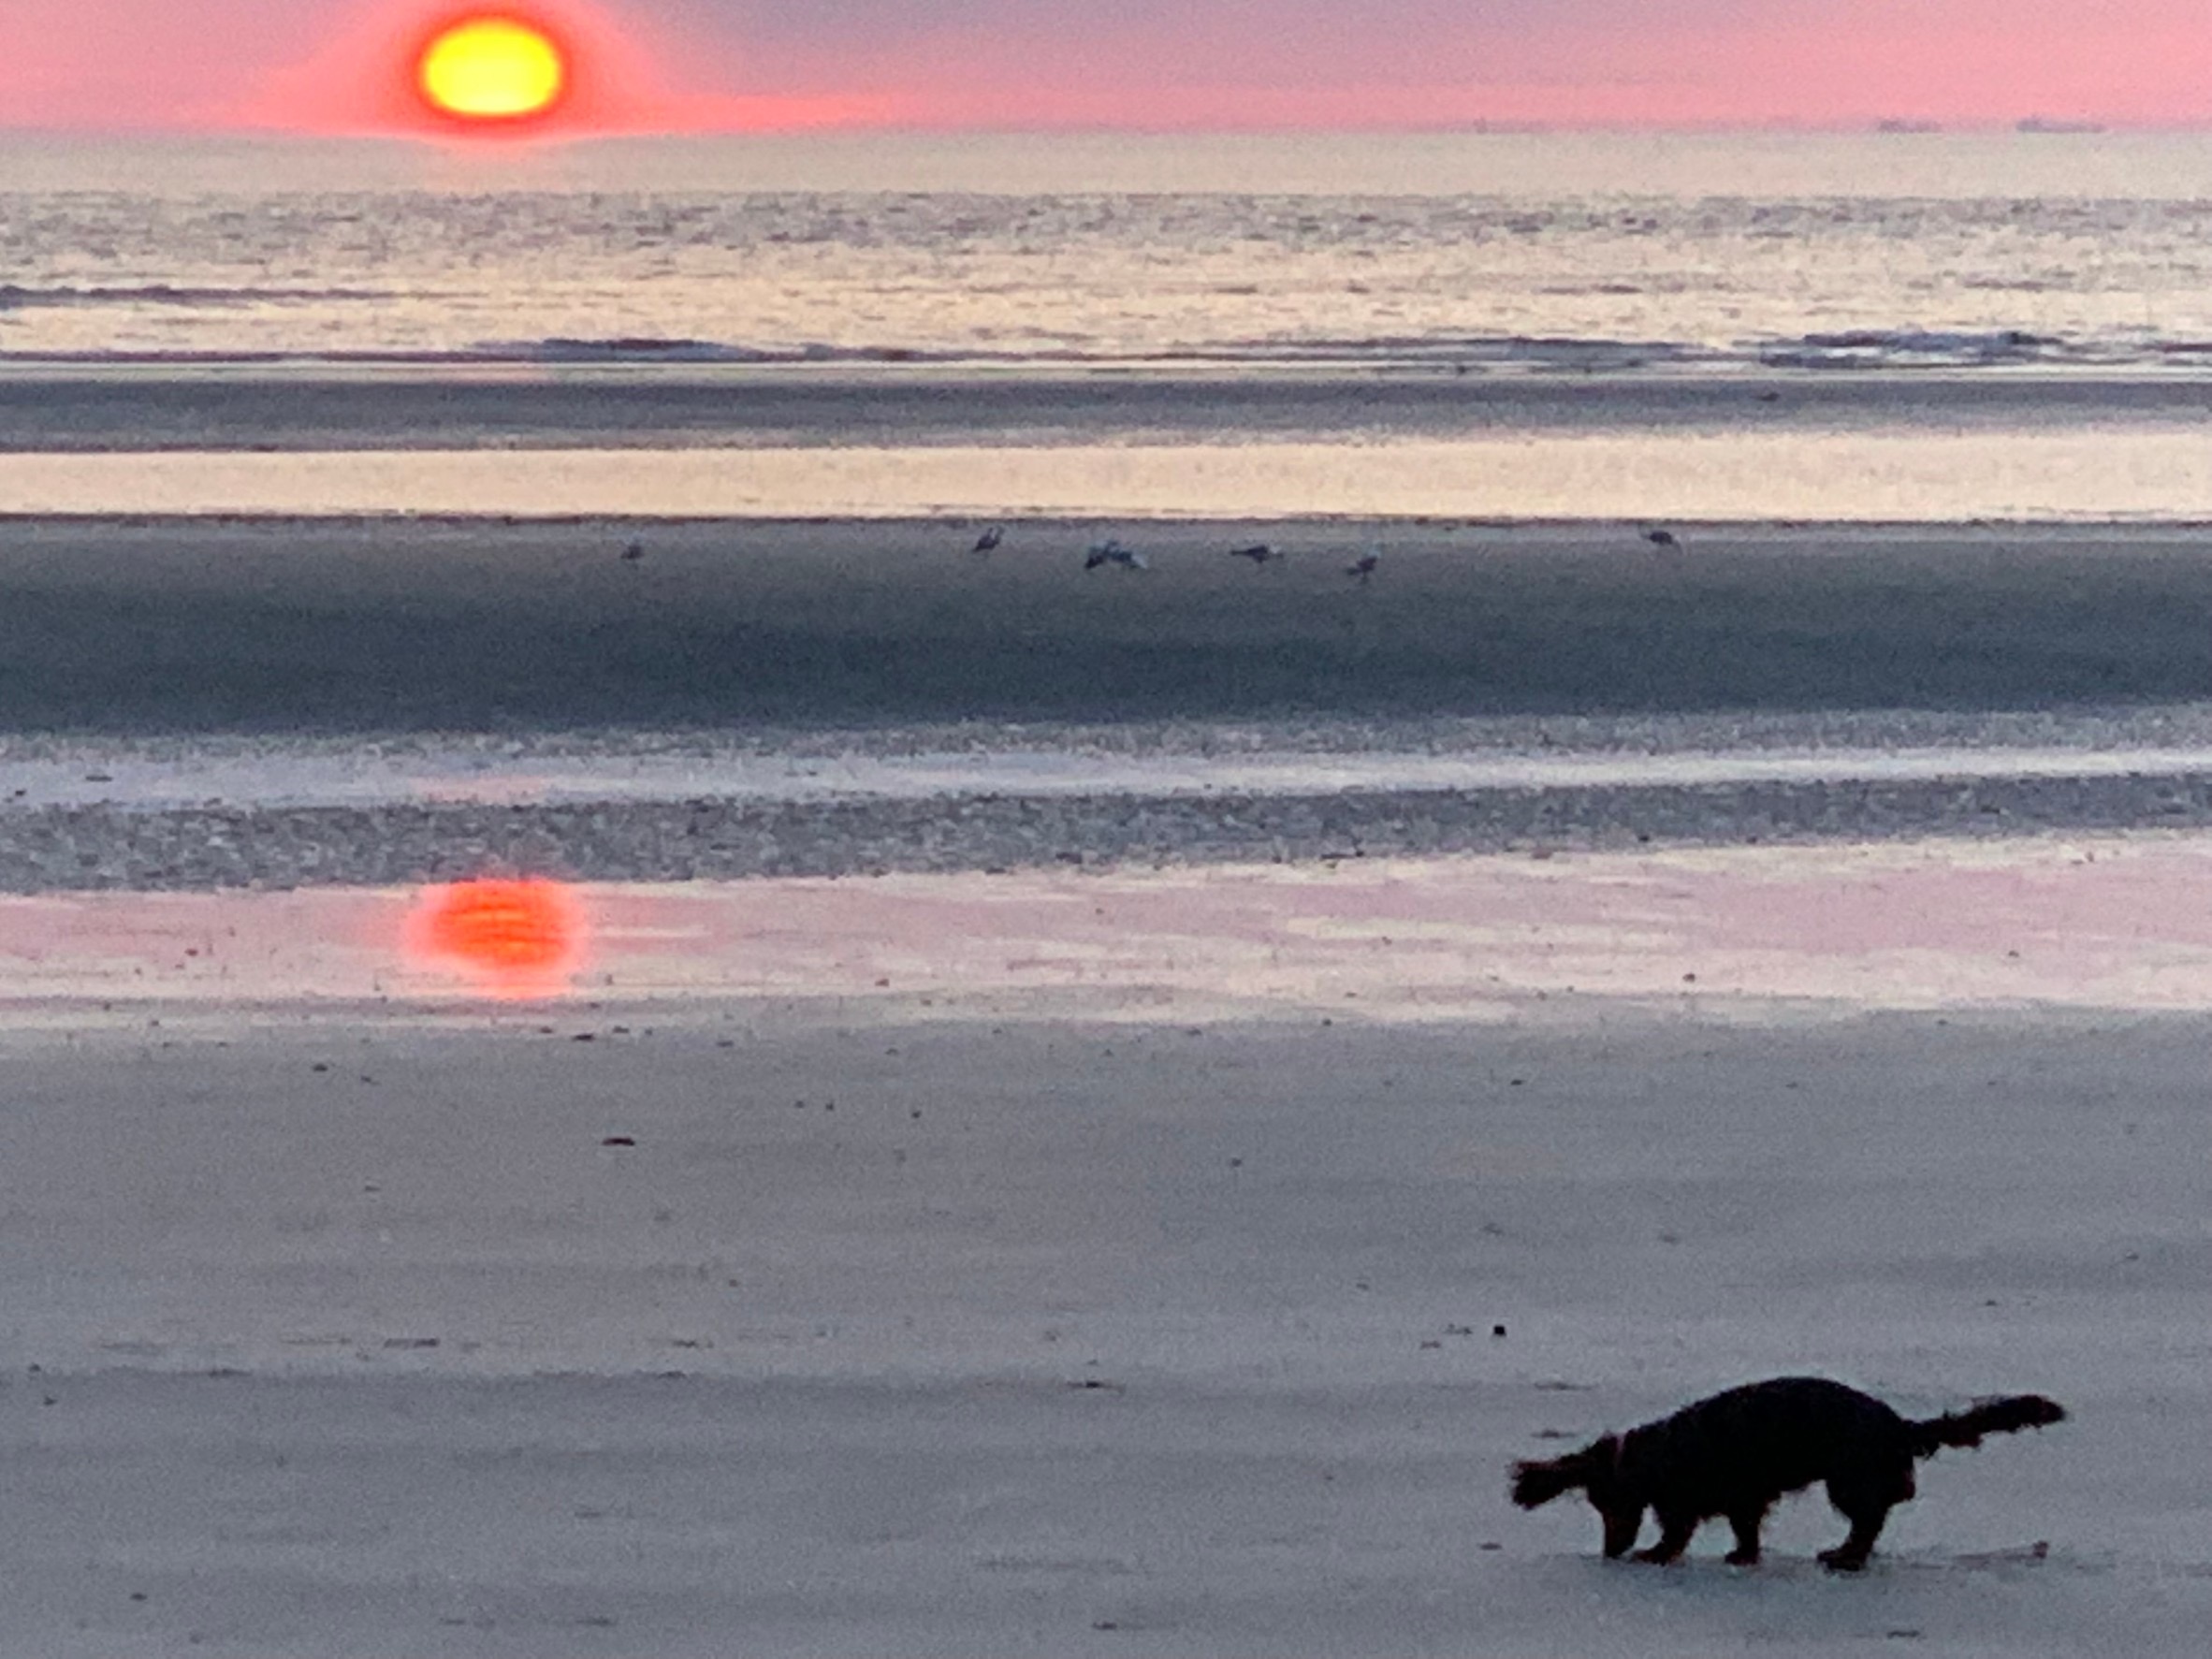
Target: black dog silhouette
[(1734, 1454)]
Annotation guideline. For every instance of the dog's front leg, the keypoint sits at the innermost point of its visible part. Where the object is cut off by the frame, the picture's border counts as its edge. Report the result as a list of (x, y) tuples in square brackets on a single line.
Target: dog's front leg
[(1622, 1525), (1746, 1524)]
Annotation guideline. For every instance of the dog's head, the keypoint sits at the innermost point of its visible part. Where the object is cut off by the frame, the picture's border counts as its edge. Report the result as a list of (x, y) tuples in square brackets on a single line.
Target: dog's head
[(1596, 1469)]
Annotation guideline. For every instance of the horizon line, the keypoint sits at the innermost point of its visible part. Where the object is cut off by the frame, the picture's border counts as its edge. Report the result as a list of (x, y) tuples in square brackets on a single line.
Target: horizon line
[(2033, 126)]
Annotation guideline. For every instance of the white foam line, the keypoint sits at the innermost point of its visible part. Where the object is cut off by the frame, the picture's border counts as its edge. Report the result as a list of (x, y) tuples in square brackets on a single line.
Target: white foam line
[(280, 780)]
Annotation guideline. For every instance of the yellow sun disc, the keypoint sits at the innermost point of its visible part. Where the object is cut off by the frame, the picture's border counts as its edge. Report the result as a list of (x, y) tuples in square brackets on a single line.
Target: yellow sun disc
[(491, 69)]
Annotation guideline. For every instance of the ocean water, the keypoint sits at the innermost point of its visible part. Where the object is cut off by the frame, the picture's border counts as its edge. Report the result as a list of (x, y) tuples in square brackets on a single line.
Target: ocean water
[(1873, 325), (1475, 254)]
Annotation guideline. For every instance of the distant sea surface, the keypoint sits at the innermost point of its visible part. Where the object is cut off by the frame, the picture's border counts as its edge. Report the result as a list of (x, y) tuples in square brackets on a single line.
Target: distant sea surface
[(1922, 299), (1488, 253)]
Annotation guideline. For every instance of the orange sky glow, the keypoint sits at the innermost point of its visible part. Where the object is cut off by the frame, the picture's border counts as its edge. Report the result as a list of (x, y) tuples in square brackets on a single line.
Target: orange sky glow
[(331, 67)]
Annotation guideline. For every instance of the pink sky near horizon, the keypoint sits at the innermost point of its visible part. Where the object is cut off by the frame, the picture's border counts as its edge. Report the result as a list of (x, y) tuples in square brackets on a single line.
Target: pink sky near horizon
[(339, 66)]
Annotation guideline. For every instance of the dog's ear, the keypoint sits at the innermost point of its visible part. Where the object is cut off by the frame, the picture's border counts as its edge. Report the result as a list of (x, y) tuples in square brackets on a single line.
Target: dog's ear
[(1538, 1480)]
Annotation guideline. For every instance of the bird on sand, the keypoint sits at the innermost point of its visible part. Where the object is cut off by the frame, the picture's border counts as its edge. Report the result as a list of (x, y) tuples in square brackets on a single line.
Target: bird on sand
[(1363, 566), (1258, 553), (1111, 552), (1661, 538), (989, 539)]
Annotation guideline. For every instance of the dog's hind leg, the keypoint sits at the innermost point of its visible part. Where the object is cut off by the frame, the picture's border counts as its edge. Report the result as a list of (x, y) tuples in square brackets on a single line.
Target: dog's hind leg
[(1851, 1554), (1867, 1515), (1864, 1497), (1675, 1531)]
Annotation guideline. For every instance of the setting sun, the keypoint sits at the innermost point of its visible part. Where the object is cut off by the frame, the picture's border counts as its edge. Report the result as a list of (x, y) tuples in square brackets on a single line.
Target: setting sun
[(491, 69)]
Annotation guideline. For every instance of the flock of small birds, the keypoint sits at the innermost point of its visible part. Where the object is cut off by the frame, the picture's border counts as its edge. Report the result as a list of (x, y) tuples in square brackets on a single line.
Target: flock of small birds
[(1113, 551)]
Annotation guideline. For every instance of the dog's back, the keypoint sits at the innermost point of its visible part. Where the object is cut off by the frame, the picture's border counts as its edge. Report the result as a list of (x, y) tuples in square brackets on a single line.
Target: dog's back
[(1754, 1443)]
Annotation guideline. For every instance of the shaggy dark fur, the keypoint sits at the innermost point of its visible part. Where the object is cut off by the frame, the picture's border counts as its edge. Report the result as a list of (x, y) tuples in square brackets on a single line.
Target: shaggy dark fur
[(1734, 1454)]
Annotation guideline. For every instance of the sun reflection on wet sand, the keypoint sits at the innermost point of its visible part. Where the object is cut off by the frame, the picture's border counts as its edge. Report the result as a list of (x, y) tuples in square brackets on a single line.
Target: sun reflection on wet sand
[(518, 938), (2111, 921)]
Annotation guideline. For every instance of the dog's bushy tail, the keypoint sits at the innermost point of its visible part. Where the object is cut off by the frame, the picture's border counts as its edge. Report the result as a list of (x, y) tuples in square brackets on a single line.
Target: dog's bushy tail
[(2007, 1414)]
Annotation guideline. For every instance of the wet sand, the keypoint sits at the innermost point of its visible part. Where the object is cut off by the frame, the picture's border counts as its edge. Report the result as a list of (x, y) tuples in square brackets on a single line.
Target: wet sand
[(512, 650), (400, 624)]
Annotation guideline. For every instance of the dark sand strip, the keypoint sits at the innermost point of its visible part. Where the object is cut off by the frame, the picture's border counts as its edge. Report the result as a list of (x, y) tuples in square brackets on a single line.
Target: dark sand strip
[(121, 628), (62, 848)]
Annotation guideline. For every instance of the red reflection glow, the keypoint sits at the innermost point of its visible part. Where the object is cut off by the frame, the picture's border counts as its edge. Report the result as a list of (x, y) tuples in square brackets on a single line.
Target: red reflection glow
[(513, 938)]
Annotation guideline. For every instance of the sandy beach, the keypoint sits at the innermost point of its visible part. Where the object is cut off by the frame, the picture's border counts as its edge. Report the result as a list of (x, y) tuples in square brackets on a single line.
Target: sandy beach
[(1166, 1262), (343, 1335), (1152, 1221)]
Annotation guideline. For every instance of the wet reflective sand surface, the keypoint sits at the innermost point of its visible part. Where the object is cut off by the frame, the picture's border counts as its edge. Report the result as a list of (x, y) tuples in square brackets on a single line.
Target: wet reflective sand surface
[(1166, 1261), (2091, 922)]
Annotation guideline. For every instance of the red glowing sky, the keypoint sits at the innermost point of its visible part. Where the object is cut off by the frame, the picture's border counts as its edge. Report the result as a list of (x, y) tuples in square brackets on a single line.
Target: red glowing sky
[(649, 65)]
